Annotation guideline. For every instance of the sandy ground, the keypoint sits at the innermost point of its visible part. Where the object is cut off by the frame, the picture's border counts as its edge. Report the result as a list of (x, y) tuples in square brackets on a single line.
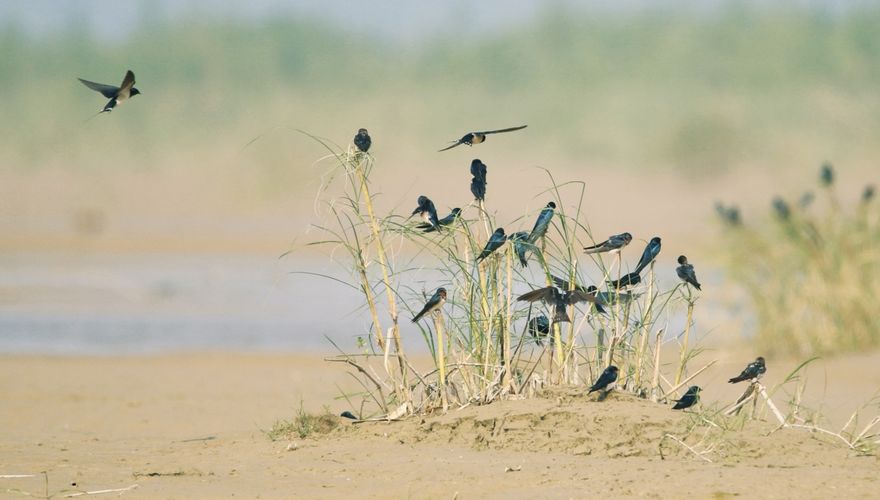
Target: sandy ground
[(189, 426)]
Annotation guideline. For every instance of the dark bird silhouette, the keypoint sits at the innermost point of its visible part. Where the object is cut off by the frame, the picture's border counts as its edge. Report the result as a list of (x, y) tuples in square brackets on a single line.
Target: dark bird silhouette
[(649, 254), (754, 370), (782, 209), (690, 398), (613, 244), (686, 272), (826, 175), (521, 246), (631, 279), (426, 210), (868, 193), (608, 377), (445, 221), (362, 140), (117, 95), (495, 241), (435, 302), (542, 223), (478, 182), (730, 215), (348, 414), (559, 300), (539, 328), (590, 290), (472, 138)]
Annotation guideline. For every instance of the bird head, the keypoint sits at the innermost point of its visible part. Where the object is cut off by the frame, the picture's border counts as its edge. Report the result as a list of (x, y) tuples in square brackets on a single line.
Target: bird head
[(134, 92), (627, 237), (456, 211), (655, 240), (760, 360), (362, 132), (682, 260), (551, 205), (442, 292)]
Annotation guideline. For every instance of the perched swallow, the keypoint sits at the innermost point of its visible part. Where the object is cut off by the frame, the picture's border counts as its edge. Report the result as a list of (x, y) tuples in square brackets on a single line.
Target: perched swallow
[(686, 272), (495, 241), (426, 211), (631, 279), (521, 246), (362, 140), (754, 370), (117, 95), (472, 138), (539, 327), (730, 214), (348, 414), (780, 206), (826, 174), (542, 223), (435, 302), (690, 398), (478, 182), (608, 377), (650, 253), (445, 221), (612, 244), (559, 300)]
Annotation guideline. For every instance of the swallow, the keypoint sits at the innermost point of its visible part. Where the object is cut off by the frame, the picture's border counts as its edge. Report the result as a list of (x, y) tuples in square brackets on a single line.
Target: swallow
[(690, 398), (426, 210), (753, 371), (521, 246), (780, 206), (434, 303), (868, 194), (631, 279), (826, 174), (686, 272), (348, 414), (730, 214), (472, 138), (542, 223), (559, 300), (362, 140), (613, 244), (539, 327), (478, 182), (495, 241), (590, 290), (608, 377), (649, 254), (117, 95), (445, 221)]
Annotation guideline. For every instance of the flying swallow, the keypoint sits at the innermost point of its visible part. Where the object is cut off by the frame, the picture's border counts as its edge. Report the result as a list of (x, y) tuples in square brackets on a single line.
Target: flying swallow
[(426, 211), (690, 398), (754, 370), (445, 221), (495, 241), (362, 140), (472, 138), (686, 272), (631, 279), (521, 246), (590, 290), (117, 95), (613, 244), (608, 377), (539, 327), (435, 302), (542, 223), (559, 300), (826, 174), (478, 182), (649, 254)]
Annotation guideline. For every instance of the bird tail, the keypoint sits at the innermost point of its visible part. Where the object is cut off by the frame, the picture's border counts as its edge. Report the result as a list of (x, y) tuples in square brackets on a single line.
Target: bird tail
[(735, 380), (560, 316), (96, 114)]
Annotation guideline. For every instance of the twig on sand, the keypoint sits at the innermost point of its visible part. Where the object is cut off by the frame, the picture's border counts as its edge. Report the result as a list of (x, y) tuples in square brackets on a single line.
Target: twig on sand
[(100, 492), (679, 441)]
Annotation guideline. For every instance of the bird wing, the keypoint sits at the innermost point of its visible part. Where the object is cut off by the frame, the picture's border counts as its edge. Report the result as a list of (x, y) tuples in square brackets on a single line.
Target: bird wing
[(545, 294), (108, 91), (127, 82), (580, 296), (499, 131), (598, 247)]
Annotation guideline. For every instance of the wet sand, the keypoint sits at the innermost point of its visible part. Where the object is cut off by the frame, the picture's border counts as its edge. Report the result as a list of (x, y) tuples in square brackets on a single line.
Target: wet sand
[(192, 426)]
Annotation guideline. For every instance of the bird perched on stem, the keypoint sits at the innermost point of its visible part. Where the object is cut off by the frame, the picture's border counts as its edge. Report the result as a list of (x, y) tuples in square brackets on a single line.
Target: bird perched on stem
[(362, 140), (434, 303), (690, 398), (649, 254), (495, 241), (445, 221), (542, 223), (685, 271), (427, 211), (631, 279), (614, 243), (753, 371), (472, 138), (117, 95), (521, 246), (478, 182)]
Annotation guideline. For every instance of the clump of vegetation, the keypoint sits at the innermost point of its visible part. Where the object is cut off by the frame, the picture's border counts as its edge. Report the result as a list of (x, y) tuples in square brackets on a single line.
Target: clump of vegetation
[(303, 425), (811, 268), (485, 343)]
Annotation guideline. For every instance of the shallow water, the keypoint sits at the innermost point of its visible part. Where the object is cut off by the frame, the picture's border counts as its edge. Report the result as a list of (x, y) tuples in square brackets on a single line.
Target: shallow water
[(60, 303)]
